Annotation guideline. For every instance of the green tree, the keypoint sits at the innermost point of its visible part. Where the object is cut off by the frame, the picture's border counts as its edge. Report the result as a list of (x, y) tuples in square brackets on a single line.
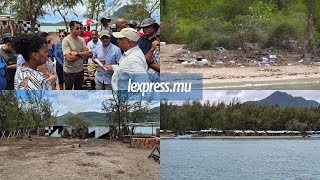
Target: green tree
[(64, 8)]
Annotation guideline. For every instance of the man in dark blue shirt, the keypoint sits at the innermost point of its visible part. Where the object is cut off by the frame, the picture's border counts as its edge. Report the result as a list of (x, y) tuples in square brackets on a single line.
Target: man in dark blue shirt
[(150, 28)]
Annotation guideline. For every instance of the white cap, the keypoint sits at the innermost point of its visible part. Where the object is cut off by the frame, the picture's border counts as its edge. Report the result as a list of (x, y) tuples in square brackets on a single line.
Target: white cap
[(128, 33)]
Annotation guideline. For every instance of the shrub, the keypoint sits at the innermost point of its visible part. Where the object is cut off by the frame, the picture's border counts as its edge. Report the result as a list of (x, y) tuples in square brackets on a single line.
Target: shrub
[(283, 36)]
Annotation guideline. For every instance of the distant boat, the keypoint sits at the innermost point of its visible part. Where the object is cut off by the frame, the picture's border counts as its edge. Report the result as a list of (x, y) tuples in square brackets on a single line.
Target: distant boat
[(313, 136), (184, 136)]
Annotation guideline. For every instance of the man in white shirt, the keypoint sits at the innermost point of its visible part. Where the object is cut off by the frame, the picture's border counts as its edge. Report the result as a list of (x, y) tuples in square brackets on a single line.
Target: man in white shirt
[(132, 64), (92, 44)]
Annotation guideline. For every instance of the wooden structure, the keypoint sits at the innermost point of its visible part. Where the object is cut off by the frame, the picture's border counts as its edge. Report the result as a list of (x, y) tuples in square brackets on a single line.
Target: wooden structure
[(9, 25), (155, 154), (141, 142)]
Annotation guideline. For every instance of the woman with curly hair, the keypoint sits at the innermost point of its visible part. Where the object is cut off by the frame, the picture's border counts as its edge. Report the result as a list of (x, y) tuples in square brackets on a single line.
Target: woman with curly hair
[(33, 48)]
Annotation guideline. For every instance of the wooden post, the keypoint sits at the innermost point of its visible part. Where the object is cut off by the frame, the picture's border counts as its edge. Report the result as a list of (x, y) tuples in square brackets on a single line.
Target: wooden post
[(9, 135), (10, 25), (308, 33), (3, 134), (19, 133)]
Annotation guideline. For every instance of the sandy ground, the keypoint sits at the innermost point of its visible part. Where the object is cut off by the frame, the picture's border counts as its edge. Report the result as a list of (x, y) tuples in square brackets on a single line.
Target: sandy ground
[(58, 158), (219, 74)]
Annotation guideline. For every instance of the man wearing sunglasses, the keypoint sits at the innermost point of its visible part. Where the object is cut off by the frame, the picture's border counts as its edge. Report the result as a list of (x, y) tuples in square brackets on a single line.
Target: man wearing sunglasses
[(75, 52), (132, 65), (10, 58), (108, 54)]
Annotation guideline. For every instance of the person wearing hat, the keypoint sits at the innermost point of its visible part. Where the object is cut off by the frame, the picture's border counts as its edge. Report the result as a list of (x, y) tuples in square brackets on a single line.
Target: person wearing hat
[(9, 57), (132, 65), (133, 24), (113, 28), (108, 54), (105, 24), (150, 27)]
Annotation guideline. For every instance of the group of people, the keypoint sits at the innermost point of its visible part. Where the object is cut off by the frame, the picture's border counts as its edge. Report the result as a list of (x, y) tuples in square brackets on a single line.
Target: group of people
[(114, 56)]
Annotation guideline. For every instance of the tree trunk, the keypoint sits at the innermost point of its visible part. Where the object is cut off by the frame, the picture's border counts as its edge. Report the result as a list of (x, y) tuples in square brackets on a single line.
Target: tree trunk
[(164, 7), (64, 19), (280, 5), (33, 24), (308, 33)]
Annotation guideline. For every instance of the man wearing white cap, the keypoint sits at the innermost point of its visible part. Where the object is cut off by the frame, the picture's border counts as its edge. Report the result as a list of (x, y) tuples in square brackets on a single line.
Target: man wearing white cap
[(132, 64)]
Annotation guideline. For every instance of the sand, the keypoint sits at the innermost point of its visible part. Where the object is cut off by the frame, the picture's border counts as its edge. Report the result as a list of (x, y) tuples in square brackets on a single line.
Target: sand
[(220, 75), (58, 158)]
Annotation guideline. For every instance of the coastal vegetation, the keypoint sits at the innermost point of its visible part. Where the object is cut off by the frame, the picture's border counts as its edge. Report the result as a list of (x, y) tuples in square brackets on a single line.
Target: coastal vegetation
[(281, 24), (237, 116), (31, 111)]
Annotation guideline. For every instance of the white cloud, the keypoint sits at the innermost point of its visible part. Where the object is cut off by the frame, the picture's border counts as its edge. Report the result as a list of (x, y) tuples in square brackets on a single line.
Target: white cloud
[(77, 101), (80, 9)]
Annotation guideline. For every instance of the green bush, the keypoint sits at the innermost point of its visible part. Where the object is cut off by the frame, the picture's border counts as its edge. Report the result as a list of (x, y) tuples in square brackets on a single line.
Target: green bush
[(283, 36), (168, 32)]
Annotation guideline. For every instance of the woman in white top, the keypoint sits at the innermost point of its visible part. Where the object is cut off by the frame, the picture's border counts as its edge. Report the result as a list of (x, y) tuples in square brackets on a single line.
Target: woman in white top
[(48, 67), (34, 50)]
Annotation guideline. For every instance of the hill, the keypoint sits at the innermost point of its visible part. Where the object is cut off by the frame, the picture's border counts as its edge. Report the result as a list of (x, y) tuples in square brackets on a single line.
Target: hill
[(100, 119), (283, 99)]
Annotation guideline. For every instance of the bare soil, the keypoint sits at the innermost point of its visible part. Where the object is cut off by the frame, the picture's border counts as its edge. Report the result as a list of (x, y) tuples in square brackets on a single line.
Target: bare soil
[(58, 158)]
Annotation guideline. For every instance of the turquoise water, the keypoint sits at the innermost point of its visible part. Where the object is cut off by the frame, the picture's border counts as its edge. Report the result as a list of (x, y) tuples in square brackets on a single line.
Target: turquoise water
[(240, 159), (146, 130), (54, 28)]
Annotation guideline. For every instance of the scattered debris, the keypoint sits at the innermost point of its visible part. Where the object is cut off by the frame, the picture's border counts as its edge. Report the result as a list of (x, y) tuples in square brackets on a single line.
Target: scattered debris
[(162, 43), (272, 56), (202, 62), (220, 49), (219, 62)]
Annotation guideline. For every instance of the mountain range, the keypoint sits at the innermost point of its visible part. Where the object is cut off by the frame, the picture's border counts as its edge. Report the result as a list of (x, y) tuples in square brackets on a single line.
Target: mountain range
[(99, 119), (283, 99)]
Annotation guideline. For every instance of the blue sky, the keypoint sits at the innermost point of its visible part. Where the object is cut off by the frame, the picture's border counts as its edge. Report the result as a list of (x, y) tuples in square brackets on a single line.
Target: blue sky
[(80, 10)]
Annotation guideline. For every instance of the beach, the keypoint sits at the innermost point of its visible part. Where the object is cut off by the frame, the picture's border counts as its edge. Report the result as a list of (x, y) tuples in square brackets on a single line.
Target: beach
[(287, 73), (59, 158)]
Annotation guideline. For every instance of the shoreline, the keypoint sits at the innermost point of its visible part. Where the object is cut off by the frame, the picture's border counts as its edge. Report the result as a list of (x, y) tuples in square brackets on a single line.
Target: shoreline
[(287, 74), (237, 137)]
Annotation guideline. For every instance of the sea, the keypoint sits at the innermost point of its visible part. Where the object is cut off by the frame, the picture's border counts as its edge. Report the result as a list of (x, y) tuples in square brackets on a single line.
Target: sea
[(146, 130), (56, 28), (240, 159)]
